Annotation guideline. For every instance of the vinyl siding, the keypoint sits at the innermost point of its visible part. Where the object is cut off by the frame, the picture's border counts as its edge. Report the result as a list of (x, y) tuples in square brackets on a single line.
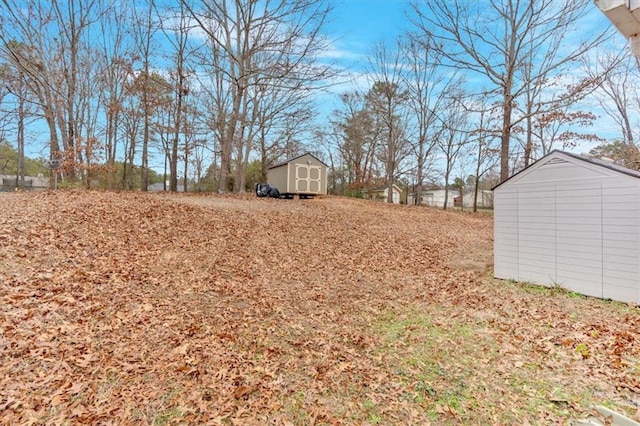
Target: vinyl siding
[(579, 238), (536, 234), (505, 235), (620, 242), (570, 224)]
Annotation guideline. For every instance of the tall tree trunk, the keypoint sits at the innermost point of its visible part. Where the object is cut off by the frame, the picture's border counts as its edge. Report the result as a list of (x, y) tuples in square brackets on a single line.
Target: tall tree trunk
[(54, 145), (144, 185), (227, 143), (173, 164), (390, 160), (264, 161), (186, 164), (21, 164), (446, 195), (476, 184), (132, 156), (419, 175), (506, 135), (528, 147), (475, 196), (243, 172)]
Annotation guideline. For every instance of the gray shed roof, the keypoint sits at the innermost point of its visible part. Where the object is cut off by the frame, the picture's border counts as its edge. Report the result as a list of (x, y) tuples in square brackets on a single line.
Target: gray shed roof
[(295, 158), (582, 157)]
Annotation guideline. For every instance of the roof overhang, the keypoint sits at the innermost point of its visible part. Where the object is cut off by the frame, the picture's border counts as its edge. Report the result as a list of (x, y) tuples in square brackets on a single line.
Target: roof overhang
[(284, 163), (623, 14)]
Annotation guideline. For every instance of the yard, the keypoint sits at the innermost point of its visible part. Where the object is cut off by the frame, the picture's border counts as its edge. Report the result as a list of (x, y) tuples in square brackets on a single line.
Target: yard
[(180, 309)]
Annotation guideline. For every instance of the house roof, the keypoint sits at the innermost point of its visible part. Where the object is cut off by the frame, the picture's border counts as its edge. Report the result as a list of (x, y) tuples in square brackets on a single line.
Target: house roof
[(582, 157), (439, 190), (295, 158), (436, 191)]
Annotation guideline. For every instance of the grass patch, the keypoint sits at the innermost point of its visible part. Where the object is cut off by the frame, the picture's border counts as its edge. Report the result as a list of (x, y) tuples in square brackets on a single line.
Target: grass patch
[(454, 371), (437, 360), (164, 410), (556, 289), (168, 416), (372, 412)]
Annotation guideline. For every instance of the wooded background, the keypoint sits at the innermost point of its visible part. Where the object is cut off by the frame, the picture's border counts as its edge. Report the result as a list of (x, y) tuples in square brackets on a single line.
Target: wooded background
[(213, 93)]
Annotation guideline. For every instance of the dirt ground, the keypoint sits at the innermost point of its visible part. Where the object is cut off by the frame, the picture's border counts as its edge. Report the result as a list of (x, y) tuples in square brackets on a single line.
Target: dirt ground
[(131, 308)]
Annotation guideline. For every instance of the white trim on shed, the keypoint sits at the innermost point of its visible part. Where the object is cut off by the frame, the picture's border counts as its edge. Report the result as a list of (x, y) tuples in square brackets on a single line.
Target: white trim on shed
[(570, 220)]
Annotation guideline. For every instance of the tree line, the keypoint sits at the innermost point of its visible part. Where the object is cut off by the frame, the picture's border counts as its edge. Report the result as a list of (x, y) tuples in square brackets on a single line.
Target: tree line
[(112, 79), (217, 88)]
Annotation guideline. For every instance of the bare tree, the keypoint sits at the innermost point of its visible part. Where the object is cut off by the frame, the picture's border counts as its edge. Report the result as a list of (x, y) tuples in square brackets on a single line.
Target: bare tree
[(14, 101), (486, 154), (549, 112), (257, 43), (618, 95), (455, 138), (356, 135), (72, 22), (131, 121), (27, 45), (144, 31), (387, 101), (426, 87), (177, 33), (117, 58), (49, 43), (495, 38), (88, 137)]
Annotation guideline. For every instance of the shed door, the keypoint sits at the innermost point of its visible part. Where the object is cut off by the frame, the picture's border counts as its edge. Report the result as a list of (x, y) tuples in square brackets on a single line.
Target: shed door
[(308, 179)]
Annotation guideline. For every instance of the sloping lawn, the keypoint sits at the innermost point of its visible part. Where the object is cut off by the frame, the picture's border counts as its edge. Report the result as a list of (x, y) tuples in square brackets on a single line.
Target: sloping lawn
[(175, 309)]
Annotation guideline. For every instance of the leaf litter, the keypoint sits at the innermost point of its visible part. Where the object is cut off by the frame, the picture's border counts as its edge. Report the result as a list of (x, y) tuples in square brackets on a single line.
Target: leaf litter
[(161, 309)]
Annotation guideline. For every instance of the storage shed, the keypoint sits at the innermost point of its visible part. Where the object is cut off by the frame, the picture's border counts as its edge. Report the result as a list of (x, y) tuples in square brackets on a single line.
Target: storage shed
[(304, 175), (570, 220)]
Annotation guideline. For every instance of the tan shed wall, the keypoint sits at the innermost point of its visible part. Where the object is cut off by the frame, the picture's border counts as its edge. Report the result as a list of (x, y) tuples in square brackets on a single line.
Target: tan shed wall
[(284, 177), (278, 177)]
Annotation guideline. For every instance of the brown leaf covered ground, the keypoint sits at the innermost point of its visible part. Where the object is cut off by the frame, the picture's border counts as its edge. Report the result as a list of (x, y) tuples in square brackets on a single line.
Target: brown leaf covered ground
[(130, 308)]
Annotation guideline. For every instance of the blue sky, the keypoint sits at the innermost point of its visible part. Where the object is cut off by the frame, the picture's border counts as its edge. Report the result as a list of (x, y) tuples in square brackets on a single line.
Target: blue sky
[(359, 23), (354, 27)]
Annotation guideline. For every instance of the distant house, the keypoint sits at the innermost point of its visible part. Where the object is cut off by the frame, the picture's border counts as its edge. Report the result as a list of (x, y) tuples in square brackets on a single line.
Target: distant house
[(434, 198), (304, 175), (159, 186), (485, 199), (10, 182), (381, 193)]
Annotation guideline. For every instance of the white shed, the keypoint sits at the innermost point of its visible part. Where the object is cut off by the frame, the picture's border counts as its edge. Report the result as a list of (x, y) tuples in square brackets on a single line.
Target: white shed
[(570, 220)]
